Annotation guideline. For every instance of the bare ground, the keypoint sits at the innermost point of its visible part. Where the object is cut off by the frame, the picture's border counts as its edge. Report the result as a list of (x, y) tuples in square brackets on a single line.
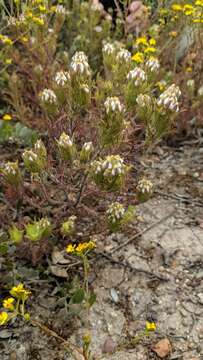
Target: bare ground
[(157, 275)]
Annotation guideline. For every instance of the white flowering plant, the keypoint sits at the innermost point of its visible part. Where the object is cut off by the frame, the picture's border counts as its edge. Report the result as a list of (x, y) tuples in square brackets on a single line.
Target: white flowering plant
[(85, 93)]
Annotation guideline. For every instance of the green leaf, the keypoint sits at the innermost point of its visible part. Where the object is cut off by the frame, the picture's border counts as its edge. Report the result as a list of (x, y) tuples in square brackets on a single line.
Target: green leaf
[(92, 299), (78, 296)]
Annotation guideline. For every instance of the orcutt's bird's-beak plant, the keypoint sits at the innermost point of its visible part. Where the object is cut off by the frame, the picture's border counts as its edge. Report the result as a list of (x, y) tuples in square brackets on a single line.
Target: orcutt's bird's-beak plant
[(85, 99)]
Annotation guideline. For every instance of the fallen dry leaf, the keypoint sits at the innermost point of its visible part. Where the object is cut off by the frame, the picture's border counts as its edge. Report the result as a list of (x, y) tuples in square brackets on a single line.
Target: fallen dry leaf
[(162, 348)]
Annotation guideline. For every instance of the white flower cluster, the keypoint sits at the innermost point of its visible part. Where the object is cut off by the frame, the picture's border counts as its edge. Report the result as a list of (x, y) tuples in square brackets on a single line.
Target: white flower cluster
[(113, 104), (115, 212), (200, 91), (60, 9), (44, 223), (145, 186), (79, 63), (88, 146), (97, 6), (153, 64), (85, 88), (61, 78), (143, 100), (30, 155), (64, 140), (169, 98), (112, 165), (108, 49), (48, 96), (10, 168), (123, 55), (138, 75)]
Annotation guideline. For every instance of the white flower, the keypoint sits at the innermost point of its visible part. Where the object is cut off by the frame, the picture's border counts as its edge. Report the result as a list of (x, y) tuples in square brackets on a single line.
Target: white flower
[(123, 55), (48, 96), (60, 9), (115, 212), (200, 91), (143, 100), (64, 140), (145, 186), (30, 155), (88, 146), (61, 78), (79, 63), (138, 75), (153, 64), (97, 6), (169, 98), (113, 104), (108, 49), (111, 166)]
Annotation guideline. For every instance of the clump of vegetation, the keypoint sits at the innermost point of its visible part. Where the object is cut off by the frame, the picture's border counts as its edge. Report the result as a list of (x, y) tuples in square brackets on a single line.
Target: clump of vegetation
[(81, 84)]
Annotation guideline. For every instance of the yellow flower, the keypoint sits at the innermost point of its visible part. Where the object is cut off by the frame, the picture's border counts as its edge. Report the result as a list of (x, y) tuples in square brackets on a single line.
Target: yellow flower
[(141, 41), (188, 9), (152, 42), (27, 316), (150, 326), (138, 57), (176, 7), (8, 304), (173, 34), (3, 318), (81, 248), (8, 61), (42, 8), (199, 3), (7, 41), (7, 117), (20, 292), (150, 50), (70, 248), (24, 39), (188, 69), (38, 21)]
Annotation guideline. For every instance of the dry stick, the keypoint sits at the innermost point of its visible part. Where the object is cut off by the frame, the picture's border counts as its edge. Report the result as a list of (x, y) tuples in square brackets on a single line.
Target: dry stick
[(52, 333), (141, 232), (132, 268), (182, 198)]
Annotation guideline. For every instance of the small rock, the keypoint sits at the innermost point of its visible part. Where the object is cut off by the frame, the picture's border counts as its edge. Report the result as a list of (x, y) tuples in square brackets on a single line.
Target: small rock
[(5, 334), (162, 348), (109, 346), (114, 295)]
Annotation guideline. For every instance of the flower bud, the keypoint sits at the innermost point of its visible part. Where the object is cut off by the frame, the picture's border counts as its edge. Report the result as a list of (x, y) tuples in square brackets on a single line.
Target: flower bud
[(144, 189), (68, 227), (11, 173), (66, 147), (16, 235), (86, 152)]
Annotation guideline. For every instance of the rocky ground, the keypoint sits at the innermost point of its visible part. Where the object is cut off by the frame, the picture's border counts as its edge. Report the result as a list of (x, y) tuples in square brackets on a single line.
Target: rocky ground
[(157, 275)]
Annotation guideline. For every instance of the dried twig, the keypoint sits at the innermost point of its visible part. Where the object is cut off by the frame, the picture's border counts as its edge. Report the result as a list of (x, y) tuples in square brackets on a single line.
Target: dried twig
[(141, 232)]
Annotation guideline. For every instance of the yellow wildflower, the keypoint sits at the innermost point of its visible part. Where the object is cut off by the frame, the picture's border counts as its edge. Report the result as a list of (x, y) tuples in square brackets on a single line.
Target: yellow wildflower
[(150, 326), (8, 303), (138, 57), (173, 34), (70, 248), (199, 3), (7, 117), (176, 7), (152, 42), (150, 50), (141, 41), (3, 318), (24, 39), (188, 69), (81, 248), (42, 8), (8, 61), (188, 9), (38, 21), (5, 40), (20, 292)]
